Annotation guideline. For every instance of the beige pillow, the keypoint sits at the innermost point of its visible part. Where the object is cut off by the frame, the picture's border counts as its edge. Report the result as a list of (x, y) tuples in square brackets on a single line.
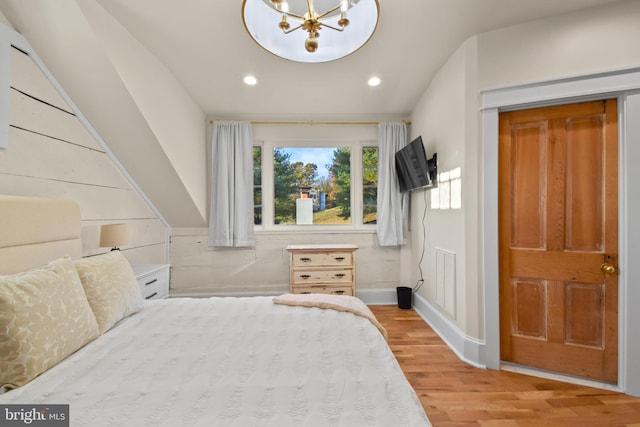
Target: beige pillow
[(111, 287), (44, 317)]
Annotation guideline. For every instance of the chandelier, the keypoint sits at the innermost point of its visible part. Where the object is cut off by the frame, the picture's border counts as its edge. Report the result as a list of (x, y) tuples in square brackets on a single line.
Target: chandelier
[(308, 30)]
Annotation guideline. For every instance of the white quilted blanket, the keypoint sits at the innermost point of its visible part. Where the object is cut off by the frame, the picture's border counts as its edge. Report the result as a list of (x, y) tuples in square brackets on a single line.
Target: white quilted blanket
[(231, 362)]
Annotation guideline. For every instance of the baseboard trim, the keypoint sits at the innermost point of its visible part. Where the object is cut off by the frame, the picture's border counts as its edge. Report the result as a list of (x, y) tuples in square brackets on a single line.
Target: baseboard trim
[(377, 296), (468, 349)]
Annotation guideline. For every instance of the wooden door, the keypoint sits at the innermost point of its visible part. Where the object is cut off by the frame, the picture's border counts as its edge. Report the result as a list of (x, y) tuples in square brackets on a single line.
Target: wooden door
[(558, 208)]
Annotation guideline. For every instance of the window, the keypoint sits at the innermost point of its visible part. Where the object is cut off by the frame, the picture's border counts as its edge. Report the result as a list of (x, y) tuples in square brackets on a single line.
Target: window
[(257, 185), (312, 185), (315, 185), (369, 185)]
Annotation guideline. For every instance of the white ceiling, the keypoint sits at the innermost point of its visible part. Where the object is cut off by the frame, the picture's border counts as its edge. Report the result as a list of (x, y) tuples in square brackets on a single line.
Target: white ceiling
[(141, 113), (204, 44)]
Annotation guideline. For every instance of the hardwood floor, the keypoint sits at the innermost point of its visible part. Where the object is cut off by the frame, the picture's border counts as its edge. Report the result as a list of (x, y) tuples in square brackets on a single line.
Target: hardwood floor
[(454, 393)]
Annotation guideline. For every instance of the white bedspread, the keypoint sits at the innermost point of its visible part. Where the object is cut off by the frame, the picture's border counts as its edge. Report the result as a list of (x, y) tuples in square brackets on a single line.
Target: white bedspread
[(231, 362)]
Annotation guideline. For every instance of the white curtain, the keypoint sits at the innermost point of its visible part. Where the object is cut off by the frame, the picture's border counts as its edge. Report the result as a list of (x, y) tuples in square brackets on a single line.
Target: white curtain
[(231, 213), (391, 138)]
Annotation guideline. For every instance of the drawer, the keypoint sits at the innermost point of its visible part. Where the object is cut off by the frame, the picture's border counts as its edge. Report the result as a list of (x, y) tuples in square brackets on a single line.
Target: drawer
[(155, 284), (151, 291), (315, 259), (322, 276), (322, 289)]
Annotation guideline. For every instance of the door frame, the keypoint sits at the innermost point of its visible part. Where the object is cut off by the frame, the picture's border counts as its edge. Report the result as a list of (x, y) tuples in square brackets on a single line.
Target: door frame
[(625, 86)]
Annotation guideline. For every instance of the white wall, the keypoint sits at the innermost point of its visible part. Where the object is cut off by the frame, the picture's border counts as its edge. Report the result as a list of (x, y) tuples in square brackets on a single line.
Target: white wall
[(439, 117), (591, 41), (175, 119)]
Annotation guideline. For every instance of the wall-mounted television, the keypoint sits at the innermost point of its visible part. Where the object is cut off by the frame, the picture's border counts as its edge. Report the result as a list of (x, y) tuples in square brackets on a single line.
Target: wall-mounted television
[(414, 169)]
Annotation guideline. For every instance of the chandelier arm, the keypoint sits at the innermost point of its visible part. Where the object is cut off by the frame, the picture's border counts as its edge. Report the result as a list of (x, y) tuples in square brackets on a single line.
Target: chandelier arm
[(292, 29), (293, 15), (329, 11), (332, 27)]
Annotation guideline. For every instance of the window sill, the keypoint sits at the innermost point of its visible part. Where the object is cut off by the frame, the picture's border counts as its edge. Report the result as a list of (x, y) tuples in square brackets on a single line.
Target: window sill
[(314, 230)]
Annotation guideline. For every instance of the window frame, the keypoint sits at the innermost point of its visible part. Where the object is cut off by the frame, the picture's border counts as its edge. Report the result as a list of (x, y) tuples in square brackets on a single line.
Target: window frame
[(356, 191)]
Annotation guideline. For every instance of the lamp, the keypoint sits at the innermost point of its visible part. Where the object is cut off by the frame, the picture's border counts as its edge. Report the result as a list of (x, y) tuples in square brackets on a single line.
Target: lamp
[(114, 235), (274, 25)]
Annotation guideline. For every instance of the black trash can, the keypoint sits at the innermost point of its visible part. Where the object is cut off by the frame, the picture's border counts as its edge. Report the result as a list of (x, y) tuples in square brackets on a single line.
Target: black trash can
[(404, 296)]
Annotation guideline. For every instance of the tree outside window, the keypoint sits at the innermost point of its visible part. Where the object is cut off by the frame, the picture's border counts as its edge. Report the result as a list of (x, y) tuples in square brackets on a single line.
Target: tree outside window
[(315, 185)]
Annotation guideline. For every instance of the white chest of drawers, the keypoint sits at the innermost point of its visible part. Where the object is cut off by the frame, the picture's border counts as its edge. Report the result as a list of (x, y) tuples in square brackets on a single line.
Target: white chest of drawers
[(327, 269), (153, 280)]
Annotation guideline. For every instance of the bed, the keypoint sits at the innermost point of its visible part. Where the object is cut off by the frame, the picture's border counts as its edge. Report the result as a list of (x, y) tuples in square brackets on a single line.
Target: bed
[(119, 360)]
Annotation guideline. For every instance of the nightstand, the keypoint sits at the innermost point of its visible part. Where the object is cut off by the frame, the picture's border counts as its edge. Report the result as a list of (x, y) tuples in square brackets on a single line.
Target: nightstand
[(153, 280)]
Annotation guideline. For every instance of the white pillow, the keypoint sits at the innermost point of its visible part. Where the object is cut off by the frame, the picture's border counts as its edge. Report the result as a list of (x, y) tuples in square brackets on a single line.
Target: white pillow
[(44, 317), (111, 287)]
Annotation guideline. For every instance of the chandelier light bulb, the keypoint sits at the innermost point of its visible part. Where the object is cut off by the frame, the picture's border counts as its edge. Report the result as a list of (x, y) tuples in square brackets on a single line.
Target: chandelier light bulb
[(284, 25)]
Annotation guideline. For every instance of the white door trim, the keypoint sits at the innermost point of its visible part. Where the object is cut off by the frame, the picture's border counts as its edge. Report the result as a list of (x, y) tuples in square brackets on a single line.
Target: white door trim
[(621, 84)]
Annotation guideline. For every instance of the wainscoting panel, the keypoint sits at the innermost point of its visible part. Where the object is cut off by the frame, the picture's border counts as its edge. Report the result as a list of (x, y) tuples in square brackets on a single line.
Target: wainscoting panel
[(446, 281)]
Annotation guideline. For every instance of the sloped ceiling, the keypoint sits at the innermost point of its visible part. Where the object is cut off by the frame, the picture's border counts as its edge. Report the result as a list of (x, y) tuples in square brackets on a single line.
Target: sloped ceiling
[(148, 74)]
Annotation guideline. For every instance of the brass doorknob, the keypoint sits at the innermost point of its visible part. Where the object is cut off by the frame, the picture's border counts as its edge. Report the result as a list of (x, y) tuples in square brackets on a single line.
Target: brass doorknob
[(607, 268)]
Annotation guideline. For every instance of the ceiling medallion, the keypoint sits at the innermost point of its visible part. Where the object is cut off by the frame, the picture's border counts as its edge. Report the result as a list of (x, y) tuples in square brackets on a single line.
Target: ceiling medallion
[(308, 30)]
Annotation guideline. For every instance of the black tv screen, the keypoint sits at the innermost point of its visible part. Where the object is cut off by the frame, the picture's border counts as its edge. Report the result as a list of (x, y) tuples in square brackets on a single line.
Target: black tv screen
[(414, 169)]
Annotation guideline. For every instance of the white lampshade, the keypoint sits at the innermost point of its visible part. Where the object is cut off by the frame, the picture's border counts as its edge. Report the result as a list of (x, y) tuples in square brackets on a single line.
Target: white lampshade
[(114, 235)]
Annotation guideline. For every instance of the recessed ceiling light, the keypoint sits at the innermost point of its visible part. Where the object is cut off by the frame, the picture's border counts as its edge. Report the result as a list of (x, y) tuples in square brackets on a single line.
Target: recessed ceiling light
[(250, 80), (374, 81)]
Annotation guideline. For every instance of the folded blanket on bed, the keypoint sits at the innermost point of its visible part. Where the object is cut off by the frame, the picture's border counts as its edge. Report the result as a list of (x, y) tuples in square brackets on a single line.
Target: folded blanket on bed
[(335, 302)]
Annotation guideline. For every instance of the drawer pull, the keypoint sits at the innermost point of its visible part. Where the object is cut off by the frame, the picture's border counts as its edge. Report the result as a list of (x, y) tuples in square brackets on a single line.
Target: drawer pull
[(305, 259), (340, 275), (305, 276), (151, 282), (152, 295), (305, 292), (339, 258), (338, 292)]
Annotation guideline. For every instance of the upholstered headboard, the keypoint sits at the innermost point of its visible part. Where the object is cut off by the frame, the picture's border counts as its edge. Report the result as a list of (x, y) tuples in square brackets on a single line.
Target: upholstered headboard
[(35, 230)]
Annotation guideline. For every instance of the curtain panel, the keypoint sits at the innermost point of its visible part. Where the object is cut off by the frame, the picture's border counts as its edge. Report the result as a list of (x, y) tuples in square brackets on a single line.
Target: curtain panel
[(391, 203), (231, 213)]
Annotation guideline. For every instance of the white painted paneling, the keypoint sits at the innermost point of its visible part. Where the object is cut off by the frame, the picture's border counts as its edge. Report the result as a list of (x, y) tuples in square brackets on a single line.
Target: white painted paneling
[(143, 232), (58, 160), (95, 202), (199, 269), (28, 113), (52, 154), (27, 78), (146, 254)]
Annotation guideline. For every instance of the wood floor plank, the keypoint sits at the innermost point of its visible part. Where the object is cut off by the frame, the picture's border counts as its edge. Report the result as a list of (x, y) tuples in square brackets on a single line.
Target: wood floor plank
[(456, 394)]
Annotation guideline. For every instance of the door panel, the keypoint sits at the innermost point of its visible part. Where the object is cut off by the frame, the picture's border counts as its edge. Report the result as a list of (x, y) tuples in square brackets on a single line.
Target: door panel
[(558, 225)]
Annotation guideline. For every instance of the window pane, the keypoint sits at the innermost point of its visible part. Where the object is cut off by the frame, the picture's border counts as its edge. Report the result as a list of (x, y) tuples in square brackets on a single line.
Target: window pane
[(312, 185), (369, 184), (257, 185)]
